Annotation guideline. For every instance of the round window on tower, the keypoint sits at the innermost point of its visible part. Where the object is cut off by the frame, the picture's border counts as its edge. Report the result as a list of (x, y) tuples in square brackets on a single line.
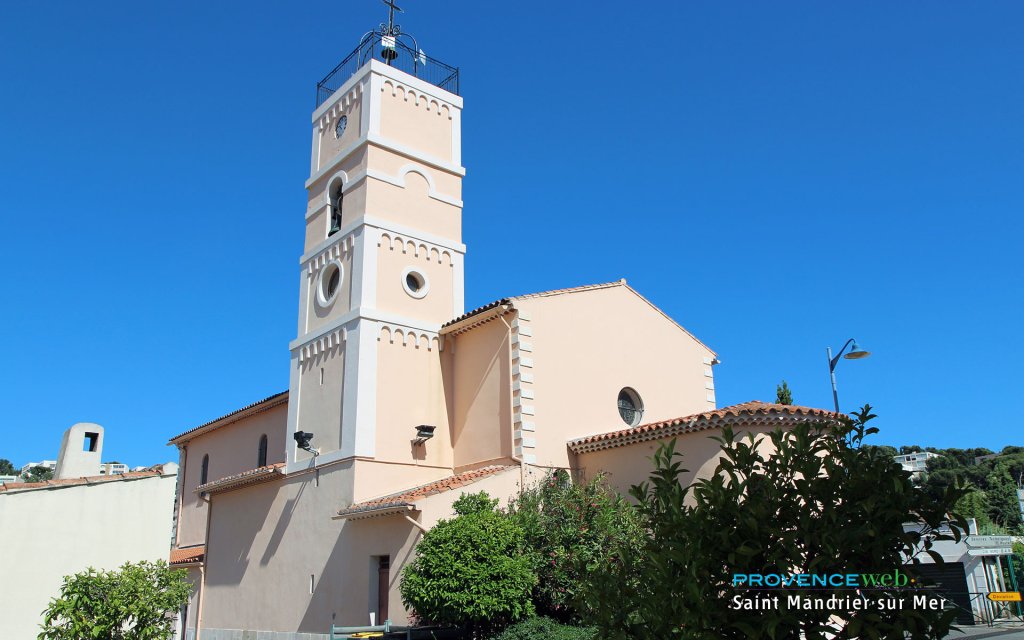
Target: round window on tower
[(631, 407), (415, 283), (330, 282)]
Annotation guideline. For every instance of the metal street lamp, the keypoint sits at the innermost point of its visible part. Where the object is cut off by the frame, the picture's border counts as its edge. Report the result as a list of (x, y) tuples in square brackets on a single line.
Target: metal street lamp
[(855, 353)]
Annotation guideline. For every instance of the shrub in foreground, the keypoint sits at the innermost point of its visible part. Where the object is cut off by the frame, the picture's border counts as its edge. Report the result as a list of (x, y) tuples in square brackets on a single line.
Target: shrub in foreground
[(540, 628), (471, 570), (137, 602), (571, 528), (808, 500)]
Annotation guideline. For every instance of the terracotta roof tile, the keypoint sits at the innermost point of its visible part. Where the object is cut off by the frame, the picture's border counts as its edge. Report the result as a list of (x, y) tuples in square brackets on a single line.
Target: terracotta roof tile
[(252, 476), (750, 413), (188, 555), (404, 500), (256, 407), (15, 487)]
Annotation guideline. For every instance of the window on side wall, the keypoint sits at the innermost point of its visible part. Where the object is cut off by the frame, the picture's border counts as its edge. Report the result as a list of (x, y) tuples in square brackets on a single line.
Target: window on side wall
[(261, 458)]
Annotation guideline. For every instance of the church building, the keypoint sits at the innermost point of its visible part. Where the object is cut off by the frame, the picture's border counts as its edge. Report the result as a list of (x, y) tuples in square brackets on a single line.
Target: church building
[(299, 511)]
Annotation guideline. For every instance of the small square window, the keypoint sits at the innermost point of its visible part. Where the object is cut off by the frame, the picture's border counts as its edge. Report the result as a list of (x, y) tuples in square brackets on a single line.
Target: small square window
[(91, 440)]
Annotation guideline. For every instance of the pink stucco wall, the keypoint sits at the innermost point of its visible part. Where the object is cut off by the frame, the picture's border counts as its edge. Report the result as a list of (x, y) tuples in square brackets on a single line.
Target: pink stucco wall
[(232, 448)]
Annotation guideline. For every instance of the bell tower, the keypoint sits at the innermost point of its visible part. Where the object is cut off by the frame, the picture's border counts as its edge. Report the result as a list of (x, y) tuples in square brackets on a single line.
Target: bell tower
[(383, 254)]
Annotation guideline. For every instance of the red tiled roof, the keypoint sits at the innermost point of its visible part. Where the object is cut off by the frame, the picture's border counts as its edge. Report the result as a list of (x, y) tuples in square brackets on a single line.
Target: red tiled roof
[(248, 410), (753, 413), (15, 487), (404, 500), (252, 476), (188, 555), (553, 292)]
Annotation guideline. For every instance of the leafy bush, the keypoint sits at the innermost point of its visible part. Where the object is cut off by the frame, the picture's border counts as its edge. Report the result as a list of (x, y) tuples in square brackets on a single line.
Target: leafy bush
[(571, 528), (541, 628), (137, 602), (471, 570), (808, 500)]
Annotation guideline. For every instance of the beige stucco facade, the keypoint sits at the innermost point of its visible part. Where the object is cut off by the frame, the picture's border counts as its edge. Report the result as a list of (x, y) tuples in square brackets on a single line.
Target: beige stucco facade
[(701, 453), (50, 530), (231, 448), (296, 568), (387, 354)]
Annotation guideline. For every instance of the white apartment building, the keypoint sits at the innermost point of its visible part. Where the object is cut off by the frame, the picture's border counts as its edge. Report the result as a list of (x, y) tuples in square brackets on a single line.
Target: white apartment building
[(46, 464), (916, 463)]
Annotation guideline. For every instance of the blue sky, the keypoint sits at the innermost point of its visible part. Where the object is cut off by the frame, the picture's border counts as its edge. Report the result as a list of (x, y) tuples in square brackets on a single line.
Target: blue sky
[(778, 177)]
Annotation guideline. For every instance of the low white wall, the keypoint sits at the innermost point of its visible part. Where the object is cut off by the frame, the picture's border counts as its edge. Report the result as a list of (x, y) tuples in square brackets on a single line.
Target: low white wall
[(46, 534)]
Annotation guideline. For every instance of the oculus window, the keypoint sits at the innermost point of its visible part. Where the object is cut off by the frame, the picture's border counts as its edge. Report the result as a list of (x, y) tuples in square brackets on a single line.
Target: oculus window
[(330, 282), (415, 283), (631, 407)]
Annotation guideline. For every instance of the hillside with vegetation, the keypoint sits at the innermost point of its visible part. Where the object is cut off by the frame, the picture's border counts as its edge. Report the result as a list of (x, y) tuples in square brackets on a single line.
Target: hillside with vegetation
[(992, 479)]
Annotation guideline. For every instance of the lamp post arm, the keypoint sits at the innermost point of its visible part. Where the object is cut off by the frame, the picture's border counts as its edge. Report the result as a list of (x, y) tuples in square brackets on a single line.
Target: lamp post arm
[(833, 361)]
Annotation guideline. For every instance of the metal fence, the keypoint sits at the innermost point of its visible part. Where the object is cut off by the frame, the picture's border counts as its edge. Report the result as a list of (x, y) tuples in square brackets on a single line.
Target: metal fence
[(393, 53)]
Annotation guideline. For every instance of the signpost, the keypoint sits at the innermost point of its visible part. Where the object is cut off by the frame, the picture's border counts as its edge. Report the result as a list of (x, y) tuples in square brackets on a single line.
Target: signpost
[(1004, 596), (989, 541), (993, 551)]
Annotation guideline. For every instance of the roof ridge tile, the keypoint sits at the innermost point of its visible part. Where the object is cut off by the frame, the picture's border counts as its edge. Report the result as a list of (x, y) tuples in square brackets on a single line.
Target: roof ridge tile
[(664, 428), (408, 496)]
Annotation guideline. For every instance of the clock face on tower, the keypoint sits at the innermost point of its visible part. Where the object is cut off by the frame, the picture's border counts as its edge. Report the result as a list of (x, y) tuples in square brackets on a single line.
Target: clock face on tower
[(340, 127)]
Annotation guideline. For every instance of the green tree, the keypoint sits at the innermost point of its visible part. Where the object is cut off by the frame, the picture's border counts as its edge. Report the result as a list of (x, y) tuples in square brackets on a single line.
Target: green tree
[(570, 528), (808, 500), (6, 468), (38, 474), (1018, 564), (137, 602), (471, 570), (1002, 495), (883, 449), (974, 504), (782, 394)]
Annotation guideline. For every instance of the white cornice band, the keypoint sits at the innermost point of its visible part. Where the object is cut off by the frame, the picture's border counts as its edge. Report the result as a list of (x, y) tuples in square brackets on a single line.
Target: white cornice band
[(376, 66), (390, 145), (428, 239), (341, 323)]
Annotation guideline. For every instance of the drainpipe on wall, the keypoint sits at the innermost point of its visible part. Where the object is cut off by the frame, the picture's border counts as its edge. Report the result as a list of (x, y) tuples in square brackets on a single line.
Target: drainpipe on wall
[(199, 603), (202, 567), (415, 524)]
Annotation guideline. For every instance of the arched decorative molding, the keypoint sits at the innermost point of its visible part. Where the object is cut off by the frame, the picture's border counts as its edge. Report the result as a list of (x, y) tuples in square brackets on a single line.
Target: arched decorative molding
[(340, 107), (332, 182), (420, 171), (399, 180), (416, 248), (431, 103), (338, 250), (410, 338), (323, 346)]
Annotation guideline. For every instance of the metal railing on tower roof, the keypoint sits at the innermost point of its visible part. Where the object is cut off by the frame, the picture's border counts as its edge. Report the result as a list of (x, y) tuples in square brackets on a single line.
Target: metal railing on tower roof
[(394, 53)]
